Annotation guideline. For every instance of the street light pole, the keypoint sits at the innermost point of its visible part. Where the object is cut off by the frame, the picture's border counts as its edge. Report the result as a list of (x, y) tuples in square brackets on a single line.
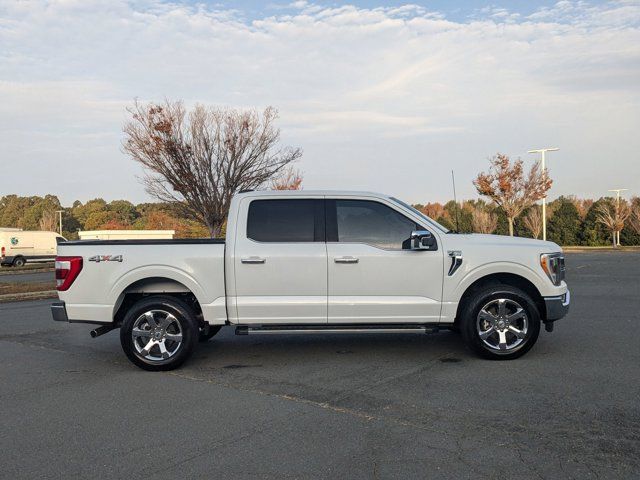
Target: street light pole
[(59, 212), (618, 190), (542, 151)]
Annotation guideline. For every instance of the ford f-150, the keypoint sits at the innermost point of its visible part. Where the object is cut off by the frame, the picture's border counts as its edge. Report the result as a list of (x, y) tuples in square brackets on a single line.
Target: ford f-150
[(313, 262)]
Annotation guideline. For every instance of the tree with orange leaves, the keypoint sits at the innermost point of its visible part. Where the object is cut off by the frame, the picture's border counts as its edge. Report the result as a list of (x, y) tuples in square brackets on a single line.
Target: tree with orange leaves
[(509, 188), (290, 179)]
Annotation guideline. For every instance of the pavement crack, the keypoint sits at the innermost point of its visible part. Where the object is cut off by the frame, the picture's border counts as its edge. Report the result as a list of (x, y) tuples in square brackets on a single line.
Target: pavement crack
[(291, 398), (390, 378)]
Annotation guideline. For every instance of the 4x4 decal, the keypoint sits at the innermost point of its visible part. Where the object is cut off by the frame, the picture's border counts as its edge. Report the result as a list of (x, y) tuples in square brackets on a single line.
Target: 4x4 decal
[(106, 258)]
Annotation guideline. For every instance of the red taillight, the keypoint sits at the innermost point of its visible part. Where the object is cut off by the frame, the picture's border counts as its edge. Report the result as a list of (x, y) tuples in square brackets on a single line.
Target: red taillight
[(67, 269), (2, 254)]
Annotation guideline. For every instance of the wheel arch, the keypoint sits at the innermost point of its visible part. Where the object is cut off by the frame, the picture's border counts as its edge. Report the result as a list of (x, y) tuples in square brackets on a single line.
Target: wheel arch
[(502, 278), (154, 286)]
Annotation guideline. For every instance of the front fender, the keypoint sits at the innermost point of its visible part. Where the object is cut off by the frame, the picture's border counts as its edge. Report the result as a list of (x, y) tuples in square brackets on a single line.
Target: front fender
[(457, 287)]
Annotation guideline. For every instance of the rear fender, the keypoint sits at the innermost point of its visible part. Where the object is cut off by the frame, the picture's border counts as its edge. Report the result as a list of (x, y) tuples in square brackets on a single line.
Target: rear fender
[(157, 272)]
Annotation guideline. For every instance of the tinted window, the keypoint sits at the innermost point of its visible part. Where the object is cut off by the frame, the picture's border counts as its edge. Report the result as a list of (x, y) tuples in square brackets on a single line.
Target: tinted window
[(60, 240), (286, 221), (373, 223)]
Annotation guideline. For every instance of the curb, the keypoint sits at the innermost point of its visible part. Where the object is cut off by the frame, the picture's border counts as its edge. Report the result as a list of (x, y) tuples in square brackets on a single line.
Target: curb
[(25, 272), (631, 248), (22, 297)]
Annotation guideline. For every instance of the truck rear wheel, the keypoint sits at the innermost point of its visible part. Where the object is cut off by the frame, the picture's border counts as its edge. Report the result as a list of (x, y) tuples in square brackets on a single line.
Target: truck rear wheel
[(500, 322), (19, 262), (159, 333)]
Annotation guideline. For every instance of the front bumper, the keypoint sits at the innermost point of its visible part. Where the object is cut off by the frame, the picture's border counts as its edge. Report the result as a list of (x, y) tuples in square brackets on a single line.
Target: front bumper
[(6, 260), (557, 307), (59, 312)]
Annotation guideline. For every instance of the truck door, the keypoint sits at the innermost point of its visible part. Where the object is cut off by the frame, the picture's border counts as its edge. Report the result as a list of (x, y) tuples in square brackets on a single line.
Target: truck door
[(374, 277), (281, 261)]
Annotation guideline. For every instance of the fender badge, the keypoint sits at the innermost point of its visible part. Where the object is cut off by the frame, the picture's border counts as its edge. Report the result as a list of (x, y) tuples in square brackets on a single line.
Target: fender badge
[(106, 258)]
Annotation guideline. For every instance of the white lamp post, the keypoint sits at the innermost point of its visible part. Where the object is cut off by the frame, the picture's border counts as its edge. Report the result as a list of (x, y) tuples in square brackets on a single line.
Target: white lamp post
[(59, 212), (618, 190), (542, 151)]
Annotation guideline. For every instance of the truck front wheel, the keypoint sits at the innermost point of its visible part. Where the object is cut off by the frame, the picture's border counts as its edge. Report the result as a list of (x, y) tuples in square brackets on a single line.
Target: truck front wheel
[(159, 333), (500, 322)]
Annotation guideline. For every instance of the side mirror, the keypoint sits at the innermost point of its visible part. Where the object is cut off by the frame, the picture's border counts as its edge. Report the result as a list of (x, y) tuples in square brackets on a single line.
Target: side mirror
[(422, 240)]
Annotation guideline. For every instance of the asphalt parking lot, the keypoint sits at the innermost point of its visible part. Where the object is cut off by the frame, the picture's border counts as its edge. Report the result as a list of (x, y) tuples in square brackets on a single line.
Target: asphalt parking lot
[(333, 406)]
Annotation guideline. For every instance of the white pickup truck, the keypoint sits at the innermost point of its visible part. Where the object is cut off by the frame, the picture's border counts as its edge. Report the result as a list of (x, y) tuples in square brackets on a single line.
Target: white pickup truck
[(313, 262)]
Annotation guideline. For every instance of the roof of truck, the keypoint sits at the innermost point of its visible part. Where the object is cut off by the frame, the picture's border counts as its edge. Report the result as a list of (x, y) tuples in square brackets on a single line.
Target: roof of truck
[(336, 193)]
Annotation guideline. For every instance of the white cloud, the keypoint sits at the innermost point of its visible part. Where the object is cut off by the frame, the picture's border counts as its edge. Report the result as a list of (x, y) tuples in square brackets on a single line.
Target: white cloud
[(390, 97)]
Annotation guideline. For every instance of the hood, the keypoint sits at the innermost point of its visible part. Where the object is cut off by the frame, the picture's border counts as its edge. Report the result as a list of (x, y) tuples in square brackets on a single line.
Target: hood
[(507, 241)]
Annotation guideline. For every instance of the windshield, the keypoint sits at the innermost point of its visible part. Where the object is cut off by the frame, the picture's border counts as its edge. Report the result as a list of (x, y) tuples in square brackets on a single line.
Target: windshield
[(420, 214)]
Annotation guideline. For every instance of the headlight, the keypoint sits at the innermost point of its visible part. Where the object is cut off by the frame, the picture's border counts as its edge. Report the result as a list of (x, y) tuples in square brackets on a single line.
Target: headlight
[(553, 266)]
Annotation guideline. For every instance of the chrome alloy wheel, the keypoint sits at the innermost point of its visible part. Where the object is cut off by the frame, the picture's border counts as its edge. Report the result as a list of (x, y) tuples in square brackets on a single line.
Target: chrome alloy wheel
[(502, 324), (157, 335)]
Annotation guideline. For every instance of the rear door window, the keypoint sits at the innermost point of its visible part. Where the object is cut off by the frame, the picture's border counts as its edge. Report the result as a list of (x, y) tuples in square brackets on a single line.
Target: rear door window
[(286, 221)]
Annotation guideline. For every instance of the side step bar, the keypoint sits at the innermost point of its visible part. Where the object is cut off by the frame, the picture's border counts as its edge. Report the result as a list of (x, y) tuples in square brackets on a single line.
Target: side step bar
[(290, 329)]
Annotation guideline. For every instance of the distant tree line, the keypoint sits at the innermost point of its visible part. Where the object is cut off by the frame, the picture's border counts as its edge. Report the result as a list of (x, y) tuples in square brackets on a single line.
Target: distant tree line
[(38, 213), (570, 220)]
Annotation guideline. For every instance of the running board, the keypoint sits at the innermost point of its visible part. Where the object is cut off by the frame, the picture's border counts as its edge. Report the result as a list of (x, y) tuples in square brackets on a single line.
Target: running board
[(279, 329)]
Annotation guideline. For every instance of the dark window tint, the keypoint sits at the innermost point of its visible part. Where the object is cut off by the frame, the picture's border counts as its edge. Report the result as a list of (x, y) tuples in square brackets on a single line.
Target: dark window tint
[(286, 221), (60, 240), (373, 223)]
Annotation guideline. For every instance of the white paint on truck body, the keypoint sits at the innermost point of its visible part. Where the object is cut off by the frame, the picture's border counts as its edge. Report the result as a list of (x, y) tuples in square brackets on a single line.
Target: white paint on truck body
[(248, 282)]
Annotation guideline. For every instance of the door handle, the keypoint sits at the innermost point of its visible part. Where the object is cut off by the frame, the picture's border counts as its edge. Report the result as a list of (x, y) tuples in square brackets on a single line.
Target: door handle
[(253, 260), (345, 260)]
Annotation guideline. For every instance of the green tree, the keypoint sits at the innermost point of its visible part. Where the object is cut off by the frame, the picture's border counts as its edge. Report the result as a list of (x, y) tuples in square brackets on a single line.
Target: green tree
[(82, 212), (446, 222), (592, 232), (630, 234), (564, 225), (125, 212), (39, 206), (464, 219), (12, 208), (97, 219)]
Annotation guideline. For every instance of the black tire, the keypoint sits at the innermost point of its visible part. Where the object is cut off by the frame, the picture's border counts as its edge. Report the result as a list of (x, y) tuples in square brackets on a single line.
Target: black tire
[(19, 261), (184, 327), (502, 343), (208, 332)]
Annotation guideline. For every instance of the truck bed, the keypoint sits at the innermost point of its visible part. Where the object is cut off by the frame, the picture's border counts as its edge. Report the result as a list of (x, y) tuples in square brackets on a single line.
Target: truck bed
[(114, 268)]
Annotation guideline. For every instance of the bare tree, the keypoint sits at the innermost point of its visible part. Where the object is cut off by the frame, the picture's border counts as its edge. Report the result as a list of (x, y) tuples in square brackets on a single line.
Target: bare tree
[(612, 215), (483, 220), (509, 188), (583, 205), (200, 159), (48, 222), (533, 221), (290, 179)]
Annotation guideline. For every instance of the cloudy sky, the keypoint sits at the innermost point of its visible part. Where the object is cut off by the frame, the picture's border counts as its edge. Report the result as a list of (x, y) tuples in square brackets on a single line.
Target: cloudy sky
[(381, 95)]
